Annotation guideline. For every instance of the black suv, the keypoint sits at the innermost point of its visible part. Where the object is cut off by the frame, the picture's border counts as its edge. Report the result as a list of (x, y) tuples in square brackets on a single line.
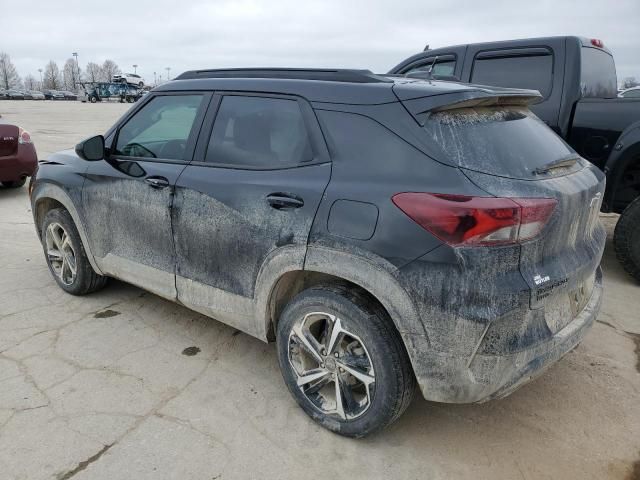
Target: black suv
[(381, 230)]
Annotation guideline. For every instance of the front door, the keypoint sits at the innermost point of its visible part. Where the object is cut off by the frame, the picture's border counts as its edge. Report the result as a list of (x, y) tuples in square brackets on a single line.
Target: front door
[(127, 198), (256, 181)]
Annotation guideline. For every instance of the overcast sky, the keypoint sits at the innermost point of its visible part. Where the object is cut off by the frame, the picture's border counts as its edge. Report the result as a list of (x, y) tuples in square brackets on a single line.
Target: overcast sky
[(374, 34)]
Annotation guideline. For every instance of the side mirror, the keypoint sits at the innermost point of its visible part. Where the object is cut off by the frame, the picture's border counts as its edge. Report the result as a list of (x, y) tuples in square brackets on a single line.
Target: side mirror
[(91, 149)]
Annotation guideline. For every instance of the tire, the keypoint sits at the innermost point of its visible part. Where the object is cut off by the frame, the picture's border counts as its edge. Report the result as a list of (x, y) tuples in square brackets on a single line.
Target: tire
[(368, 341), (141, 84), (15, 184), (85, 280), (93, 99), (626, 239)]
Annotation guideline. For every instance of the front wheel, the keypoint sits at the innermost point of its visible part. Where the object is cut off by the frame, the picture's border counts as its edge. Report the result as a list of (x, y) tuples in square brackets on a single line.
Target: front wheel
[(626, 239), (65, 255), (343, 361)]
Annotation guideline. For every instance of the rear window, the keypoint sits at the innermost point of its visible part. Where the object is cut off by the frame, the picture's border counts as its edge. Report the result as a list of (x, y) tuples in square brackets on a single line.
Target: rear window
[(503, 141), (534, 72), (598, 74)]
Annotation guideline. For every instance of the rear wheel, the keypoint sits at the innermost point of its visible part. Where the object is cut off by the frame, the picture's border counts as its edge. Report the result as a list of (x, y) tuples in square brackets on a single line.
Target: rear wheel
[(65, 255), (93, 99), (626, 239), (343, 361), (15, 184)]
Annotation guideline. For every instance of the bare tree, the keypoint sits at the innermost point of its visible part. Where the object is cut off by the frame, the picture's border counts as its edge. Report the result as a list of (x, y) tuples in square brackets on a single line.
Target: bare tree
[(109, 69), (629, 82), (51, 76), (30, 83), (9, 77), (94, 72), (70, 74)]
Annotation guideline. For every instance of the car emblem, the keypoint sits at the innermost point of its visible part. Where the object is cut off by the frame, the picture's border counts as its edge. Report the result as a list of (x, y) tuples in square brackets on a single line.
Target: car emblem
[(539, 279)]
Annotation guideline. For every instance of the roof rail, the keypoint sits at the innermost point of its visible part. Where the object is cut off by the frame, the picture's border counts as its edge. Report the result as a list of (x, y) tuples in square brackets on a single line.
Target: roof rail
[(329, 75)]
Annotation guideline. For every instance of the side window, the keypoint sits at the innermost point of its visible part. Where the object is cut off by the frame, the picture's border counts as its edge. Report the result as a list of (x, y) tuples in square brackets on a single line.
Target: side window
[(531, 72), (445, 68), (631, 93), (160, 129), (259, 132)]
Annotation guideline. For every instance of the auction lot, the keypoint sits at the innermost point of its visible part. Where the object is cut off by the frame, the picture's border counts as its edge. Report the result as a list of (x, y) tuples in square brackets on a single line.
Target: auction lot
[(122, 384)]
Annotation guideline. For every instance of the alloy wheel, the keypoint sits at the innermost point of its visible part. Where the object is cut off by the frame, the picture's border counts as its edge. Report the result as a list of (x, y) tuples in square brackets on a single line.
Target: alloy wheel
[(60, 253), (333, 367)]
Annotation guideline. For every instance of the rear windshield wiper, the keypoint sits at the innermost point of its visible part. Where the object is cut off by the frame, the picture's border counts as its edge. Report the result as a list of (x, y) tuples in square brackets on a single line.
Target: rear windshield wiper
[(565, 162)]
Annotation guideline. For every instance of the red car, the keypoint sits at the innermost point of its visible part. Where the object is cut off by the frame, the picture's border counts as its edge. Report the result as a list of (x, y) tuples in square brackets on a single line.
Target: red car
[(18, 159)]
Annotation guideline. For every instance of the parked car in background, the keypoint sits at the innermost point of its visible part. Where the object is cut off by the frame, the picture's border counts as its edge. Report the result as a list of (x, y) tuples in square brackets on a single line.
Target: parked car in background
[(577, 79), (36, 95), (26, 94), (14, 94), (130, 78), (332, 216), (69, 95), (18, 159), (633, 92), (53, 95), (3, 93)]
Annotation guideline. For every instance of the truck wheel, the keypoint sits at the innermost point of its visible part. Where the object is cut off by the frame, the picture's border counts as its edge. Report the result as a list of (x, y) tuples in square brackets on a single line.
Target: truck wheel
[(626, 239), (93, 99), (343, 361), (65, 255), (15, 184)]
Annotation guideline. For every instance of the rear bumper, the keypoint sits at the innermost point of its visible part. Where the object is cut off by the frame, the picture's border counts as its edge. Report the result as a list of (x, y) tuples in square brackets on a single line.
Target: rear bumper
[(444, 377), (22, 164)]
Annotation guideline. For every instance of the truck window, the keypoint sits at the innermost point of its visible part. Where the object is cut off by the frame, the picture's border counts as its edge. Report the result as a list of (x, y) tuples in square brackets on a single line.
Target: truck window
[(597, 74), (533, 72), (444, 68)]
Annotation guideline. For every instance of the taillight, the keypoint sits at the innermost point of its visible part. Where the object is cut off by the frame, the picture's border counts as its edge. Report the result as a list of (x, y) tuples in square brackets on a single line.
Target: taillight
[(597, 43), (465, 220), (23, 137)]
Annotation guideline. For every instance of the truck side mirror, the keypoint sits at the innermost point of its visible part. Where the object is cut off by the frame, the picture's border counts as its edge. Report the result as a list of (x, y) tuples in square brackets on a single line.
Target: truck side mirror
[(91, 149)]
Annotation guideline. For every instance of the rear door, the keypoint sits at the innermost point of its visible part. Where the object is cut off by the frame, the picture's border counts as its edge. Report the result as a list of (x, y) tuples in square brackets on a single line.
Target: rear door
[(253, 188), (127, 197), (535, 67)]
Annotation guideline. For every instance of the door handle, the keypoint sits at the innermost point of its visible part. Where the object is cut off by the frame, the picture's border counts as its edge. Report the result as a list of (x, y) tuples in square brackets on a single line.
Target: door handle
[(284, 201), (157, 182)]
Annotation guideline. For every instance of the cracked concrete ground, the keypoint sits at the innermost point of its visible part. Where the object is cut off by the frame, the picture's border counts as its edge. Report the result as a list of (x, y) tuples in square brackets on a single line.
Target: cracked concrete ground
[(122, 384)]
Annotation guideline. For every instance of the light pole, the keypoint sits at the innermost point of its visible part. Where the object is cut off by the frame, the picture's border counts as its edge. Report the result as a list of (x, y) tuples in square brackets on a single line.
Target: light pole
[(41, 86), (168, 69), (135, 68), (155, 79), (75, 55)]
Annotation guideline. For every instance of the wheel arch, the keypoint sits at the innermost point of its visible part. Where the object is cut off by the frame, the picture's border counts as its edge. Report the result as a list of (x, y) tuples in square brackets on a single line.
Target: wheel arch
[(625, 157), (47, 197), (373, 279)]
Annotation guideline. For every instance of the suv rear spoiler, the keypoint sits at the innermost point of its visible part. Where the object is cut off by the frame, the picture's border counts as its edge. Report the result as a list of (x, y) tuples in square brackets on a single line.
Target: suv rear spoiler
[(466, 97)]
